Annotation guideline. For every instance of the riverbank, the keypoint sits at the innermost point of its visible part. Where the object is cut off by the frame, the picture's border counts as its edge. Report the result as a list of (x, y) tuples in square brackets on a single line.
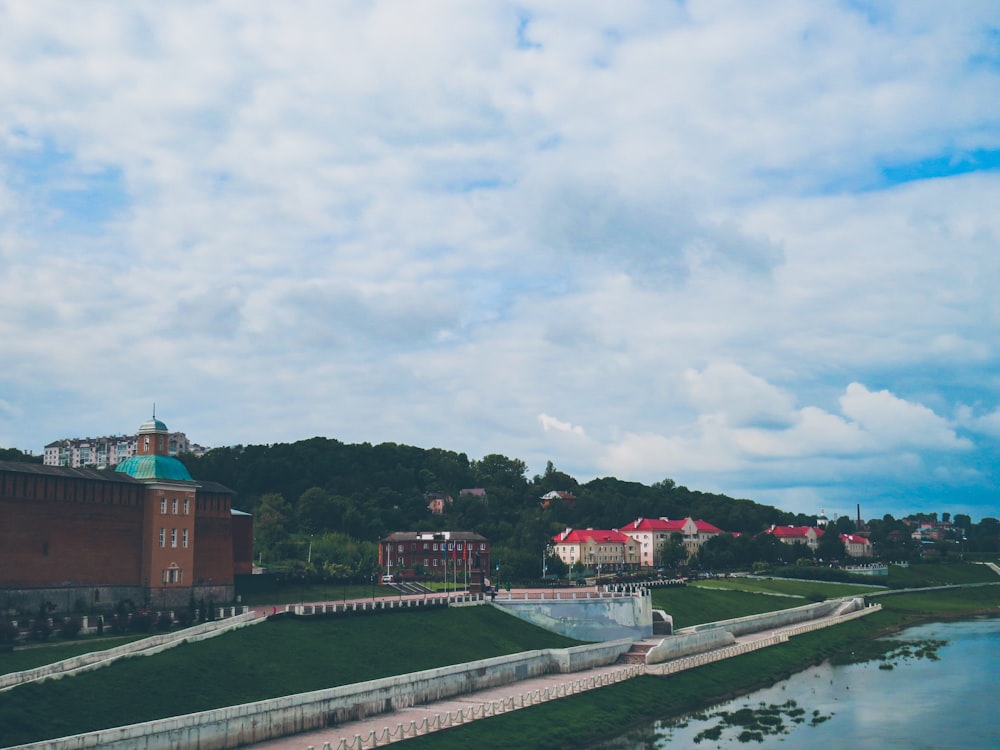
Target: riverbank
[(590, 717)]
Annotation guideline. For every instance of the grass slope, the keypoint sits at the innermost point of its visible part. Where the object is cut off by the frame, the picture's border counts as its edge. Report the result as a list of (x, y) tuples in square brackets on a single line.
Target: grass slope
[(280, 657), (788, 588), (693, 605)]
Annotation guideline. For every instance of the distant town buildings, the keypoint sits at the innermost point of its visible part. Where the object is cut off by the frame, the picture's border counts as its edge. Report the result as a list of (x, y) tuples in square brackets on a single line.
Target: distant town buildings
[(102, 452)]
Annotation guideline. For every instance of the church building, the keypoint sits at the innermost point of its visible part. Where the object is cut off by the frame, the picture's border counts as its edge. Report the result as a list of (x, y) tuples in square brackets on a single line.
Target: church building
[(146, 532)]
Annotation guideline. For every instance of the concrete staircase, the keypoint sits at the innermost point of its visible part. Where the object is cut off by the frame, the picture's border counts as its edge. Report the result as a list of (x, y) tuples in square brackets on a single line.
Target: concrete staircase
[(637, 654)]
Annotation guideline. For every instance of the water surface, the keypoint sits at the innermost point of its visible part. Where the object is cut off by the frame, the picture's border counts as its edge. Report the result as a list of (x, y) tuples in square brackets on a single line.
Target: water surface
[(942, 703)]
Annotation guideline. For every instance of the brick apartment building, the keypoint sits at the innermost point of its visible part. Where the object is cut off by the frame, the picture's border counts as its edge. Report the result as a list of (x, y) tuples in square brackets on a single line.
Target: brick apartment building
[(464, 555)]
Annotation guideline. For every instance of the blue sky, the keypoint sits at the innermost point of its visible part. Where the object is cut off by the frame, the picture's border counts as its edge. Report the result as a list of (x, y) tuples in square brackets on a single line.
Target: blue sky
[(753, 248)]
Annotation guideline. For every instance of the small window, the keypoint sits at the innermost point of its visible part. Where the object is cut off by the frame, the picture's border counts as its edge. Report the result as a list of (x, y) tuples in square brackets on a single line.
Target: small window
[(163, 505), (173, 507), (173, 537), (187, 507), (184, 538), (163, 537)]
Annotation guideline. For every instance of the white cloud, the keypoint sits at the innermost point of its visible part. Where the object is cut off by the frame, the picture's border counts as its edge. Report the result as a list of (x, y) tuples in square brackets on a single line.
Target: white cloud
[(893, 421), (551, 423), (678, 223)]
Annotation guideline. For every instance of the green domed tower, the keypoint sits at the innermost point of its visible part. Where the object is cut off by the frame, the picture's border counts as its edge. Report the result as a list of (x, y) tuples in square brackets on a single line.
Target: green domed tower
[(169, 515)]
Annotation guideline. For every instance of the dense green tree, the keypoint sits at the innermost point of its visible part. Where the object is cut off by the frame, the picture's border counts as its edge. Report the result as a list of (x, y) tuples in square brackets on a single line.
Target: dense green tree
[(13, 454), (829, 547), (672, 553)]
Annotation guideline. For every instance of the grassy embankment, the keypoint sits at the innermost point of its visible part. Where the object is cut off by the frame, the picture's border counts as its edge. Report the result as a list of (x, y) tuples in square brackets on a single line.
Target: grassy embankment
[(288, 656), (781, 587), (283, 656)]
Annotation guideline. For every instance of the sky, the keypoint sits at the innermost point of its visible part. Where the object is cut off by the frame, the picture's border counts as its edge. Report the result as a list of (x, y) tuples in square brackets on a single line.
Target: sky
[(751, 247)]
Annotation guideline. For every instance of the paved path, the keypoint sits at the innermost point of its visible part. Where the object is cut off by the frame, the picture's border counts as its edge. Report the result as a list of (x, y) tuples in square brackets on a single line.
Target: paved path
[(378, 724)]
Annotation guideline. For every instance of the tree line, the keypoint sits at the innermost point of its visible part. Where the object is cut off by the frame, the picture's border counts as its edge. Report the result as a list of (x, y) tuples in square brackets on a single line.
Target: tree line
[(324, 504)]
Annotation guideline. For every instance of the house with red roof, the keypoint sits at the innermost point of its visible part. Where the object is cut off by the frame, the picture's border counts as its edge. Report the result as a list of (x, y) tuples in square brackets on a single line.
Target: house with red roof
[(857, 545), (808, 535), (652, 533), (598, 549)]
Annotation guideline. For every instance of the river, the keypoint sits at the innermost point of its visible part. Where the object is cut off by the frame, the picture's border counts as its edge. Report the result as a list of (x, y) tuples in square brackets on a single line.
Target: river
[(940, 693)]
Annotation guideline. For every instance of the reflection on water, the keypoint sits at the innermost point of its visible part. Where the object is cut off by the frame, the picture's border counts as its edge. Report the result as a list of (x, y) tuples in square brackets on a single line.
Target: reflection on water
[(941, 697)]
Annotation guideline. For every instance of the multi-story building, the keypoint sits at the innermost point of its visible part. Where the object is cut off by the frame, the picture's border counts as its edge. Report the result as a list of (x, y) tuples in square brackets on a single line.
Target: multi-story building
[(597, 549), (856, 545), (807, 535), (146, 532), (462, 554), (652, 533), (102, 452)]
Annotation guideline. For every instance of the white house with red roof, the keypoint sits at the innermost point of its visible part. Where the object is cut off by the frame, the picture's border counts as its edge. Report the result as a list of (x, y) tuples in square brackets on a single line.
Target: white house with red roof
[(808, 535), (652, 533), (607, 549), (857, 545)]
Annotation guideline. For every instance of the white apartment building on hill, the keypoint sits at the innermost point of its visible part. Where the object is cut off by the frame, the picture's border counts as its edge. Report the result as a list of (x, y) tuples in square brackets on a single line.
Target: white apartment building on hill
[(108, 451)]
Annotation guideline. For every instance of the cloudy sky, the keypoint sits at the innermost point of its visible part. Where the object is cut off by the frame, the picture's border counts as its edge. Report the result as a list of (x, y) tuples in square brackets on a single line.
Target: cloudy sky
[(753, 247)]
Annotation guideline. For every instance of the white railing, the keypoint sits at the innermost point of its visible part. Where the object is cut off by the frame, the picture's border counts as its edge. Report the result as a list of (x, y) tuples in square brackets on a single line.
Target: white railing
[(448, 719)]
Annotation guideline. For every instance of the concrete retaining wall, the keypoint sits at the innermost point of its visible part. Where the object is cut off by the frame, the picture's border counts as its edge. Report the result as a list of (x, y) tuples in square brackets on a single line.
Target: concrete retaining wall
[(608, 618), (692, 643), (768, 620), (265, 720)]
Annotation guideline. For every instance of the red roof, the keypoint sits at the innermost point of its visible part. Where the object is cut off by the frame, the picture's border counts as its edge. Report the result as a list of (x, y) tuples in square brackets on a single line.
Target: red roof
[(665, 524), (579, 536), (794, 532), (854, 539)]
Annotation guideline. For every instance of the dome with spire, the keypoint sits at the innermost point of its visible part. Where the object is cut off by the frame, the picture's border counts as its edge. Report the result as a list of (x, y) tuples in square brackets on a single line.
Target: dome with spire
[(152, 425)]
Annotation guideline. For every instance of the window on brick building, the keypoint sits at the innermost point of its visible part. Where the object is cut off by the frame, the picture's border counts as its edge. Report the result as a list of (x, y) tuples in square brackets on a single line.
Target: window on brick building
[(163, 505), (187, 507), (163, 537), (184, 538), (173, 537)]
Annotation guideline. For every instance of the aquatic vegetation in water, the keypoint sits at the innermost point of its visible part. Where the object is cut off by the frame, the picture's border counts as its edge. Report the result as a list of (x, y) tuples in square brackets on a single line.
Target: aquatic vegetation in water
[(889, 650), (749, 724)]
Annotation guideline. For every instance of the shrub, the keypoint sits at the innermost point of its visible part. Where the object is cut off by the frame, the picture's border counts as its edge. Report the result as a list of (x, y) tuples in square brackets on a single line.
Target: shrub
[(142, 621), (185, 617), (164, 621), (40, 629), (8, 632), (815, 596), (70, 627)]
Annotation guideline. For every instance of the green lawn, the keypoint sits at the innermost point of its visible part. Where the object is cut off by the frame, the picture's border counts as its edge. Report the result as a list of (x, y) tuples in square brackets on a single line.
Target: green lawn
[(940, 574), (787, 587), (283, 656), (694, 605)]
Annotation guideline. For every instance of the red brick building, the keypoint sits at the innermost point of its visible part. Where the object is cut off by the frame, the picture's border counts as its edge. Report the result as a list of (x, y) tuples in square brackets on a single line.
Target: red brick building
[(462, 555), (146, 532)]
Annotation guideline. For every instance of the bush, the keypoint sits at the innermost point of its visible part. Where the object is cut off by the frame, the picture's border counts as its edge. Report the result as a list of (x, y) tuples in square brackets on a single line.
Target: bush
[(40, 629), (815, 596), (70, 627), (164, 621), (185, 617), (142, 621), (8, 632)]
